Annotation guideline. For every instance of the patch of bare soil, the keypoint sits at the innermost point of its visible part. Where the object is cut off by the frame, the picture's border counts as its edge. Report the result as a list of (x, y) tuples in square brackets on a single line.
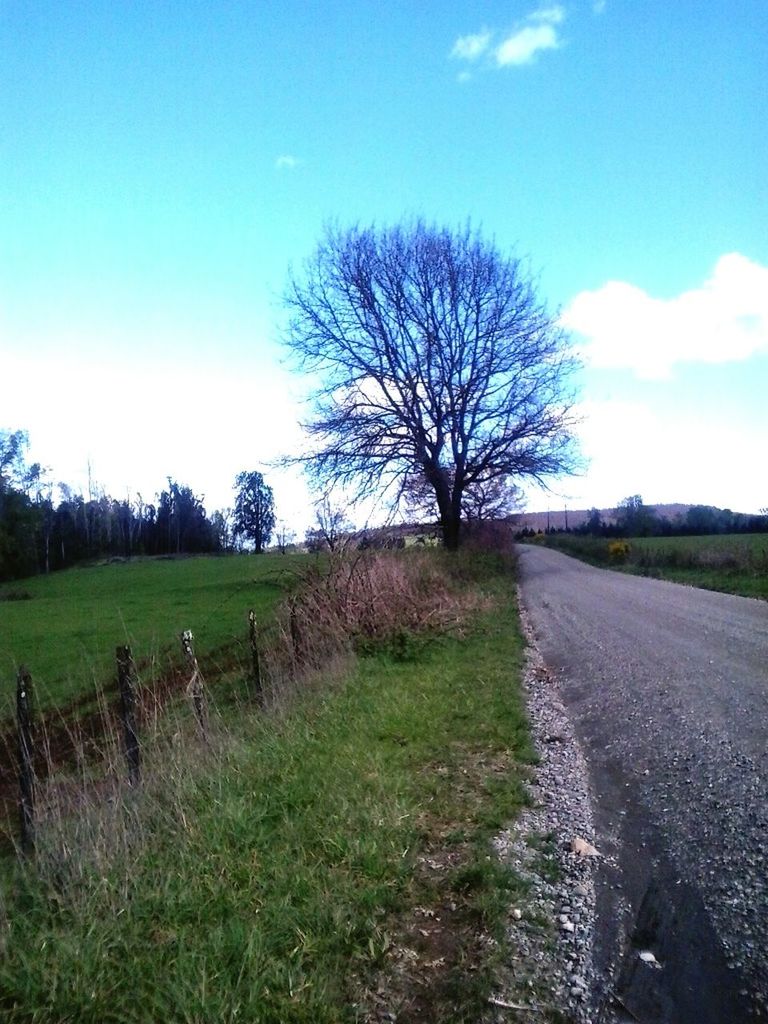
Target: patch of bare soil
[(435, 952)]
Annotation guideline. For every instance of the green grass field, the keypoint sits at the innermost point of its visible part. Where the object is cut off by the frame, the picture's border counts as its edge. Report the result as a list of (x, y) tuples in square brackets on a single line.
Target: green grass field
[(731, 563), (67, 632), (277, 875), (741, 546)]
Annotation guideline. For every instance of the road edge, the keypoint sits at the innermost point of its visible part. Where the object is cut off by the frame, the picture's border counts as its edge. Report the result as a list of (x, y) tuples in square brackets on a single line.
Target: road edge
[(552, 931)]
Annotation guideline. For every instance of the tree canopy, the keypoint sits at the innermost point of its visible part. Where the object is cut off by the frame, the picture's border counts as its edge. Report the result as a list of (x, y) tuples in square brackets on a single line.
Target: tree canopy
[(633, 518), (435, 361), (254, 513)]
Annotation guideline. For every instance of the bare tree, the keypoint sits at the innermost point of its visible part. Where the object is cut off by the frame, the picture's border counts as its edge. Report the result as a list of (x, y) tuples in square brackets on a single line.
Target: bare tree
[(492, 499), (222, 521), (284, 537), (331, 523), (435, 358)]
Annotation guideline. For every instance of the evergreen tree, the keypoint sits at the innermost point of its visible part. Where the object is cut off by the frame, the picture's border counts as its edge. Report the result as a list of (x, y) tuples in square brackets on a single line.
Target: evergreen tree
[(254, 514)]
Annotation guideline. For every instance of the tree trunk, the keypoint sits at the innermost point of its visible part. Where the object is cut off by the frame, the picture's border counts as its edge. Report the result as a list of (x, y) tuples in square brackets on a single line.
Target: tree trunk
[(451, 527), (450, 511)]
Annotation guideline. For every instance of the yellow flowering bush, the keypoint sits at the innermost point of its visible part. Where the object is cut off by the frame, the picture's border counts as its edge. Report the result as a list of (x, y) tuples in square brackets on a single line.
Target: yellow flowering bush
[(618, 550)]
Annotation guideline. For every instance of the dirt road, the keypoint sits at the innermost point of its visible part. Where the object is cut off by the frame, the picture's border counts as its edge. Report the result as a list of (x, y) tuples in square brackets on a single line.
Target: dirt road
[(668, 689)]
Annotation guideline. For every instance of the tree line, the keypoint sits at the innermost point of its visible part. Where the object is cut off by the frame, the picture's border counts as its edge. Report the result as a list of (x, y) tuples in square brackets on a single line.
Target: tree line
[(633, 518), (38, 534)]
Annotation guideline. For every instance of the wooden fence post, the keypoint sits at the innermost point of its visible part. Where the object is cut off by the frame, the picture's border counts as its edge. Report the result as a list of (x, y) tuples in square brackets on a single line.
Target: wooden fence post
[(195, 685), (258, 689), (126, 681), (26, 767)]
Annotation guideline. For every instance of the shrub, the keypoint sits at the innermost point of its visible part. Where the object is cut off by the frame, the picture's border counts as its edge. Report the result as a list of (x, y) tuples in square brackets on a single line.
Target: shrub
[(363, 602), (489, 535), (618, 550)]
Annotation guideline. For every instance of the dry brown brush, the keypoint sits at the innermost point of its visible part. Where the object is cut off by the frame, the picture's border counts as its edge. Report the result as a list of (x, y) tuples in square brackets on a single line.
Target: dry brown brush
[(362, 602)]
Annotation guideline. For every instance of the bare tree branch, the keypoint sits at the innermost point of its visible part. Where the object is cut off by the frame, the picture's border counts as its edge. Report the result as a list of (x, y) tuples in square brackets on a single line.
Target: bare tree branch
[(435, 361)]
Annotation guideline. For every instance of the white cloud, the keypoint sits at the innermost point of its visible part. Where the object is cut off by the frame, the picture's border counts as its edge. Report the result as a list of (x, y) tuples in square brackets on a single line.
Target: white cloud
[(725, 320), (472, 46), (553, 15), (537, 32), (667, 456), (522, 46), (286, 162), (201, 423), (635, 448)]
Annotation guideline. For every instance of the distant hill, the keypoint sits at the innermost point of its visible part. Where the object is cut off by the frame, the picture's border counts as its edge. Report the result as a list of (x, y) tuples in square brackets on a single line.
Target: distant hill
[(572, 518)]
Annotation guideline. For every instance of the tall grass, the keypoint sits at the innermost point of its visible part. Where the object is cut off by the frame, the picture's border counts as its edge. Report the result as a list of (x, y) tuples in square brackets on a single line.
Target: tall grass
[(266, 875)]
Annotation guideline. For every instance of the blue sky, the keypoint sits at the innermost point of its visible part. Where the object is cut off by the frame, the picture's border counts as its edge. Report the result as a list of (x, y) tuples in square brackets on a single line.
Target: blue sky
[(163, 164)]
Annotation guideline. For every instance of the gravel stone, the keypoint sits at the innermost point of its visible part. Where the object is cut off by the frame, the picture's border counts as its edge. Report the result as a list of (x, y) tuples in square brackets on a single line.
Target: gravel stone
[(553, 954)]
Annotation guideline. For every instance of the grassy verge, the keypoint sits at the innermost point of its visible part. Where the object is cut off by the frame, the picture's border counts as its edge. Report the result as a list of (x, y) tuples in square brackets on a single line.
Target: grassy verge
[(314, 865), (736, 564)]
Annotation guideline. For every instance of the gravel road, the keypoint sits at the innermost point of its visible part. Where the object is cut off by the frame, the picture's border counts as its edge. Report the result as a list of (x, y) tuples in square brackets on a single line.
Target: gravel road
[(667, 687)]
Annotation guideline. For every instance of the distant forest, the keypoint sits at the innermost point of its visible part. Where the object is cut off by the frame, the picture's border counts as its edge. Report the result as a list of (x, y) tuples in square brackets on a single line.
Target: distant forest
[(633, 518), (39, 535)]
